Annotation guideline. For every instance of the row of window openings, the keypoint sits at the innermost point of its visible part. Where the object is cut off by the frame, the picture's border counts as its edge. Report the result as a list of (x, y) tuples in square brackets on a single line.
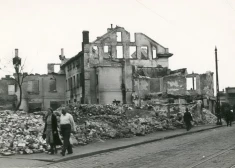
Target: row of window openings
[(34, 87), (75, 100), (133, 53), (74, 65), (72, 84), (119, 37)]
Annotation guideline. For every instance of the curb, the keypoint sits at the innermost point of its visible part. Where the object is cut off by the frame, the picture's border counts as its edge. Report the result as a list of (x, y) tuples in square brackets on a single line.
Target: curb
[(128, 146)]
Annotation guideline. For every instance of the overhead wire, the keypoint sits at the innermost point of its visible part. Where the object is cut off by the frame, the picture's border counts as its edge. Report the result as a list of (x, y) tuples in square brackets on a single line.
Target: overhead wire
[(153, 11), (229, 4)]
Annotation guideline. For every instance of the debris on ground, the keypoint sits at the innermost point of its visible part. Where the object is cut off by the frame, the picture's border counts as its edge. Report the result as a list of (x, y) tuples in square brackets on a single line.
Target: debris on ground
[(22, 132)]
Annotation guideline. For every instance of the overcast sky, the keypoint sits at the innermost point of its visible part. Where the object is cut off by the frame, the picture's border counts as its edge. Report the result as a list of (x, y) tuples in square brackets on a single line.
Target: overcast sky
[(189, 28)]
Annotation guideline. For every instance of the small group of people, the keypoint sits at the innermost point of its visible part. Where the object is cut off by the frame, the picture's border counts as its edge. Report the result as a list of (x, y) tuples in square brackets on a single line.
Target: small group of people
[(184, 119), (51, 134)]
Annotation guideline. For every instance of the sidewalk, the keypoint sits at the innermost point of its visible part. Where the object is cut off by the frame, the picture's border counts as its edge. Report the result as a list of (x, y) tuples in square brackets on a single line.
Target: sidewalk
[(111, 145)]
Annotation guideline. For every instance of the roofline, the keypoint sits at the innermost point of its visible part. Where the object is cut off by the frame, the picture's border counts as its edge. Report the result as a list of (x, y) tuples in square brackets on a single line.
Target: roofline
[(71, 59)]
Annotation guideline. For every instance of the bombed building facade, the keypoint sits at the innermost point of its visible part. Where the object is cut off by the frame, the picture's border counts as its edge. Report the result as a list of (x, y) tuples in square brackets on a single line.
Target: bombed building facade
[(114, 68), (40, 92), (7, 93)]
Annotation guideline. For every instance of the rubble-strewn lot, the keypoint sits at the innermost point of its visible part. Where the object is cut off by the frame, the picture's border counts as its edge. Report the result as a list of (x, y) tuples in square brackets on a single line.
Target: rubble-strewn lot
[(22, 133)]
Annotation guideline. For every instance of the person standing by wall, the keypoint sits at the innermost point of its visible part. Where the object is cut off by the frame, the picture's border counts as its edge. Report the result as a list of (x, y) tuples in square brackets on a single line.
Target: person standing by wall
[(67, 126), (187, 119), (51, 132)]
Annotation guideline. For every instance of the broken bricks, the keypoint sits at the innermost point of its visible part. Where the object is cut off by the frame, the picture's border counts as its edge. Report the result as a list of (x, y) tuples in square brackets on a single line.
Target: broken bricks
[(20, 133)]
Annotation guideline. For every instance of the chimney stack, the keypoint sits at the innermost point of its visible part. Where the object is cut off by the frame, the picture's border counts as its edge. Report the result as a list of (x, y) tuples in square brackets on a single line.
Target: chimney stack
[(85, 35), (16, 52), (111, 26), (62, 52)]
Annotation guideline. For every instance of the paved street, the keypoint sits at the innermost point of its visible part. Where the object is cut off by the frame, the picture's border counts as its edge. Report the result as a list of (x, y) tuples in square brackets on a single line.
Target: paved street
[(213, 148)]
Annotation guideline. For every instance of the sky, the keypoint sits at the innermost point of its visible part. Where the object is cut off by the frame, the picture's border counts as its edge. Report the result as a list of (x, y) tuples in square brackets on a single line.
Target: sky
[(189, 28)]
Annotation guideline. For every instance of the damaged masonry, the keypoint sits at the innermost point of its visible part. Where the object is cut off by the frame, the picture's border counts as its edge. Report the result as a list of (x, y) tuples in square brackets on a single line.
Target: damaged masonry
[(114, 88), (133, 69)]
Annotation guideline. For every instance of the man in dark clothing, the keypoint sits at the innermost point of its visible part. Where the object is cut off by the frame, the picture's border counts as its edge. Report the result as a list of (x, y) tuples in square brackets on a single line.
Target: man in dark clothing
[(187, 119), (67, 126), (228, 116)]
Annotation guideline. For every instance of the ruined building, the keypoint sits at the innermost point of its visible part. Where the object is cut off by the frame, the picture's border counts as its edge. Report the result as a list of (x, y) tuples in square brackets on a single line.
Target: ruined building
[(114, 68), (102, 71), (228, 96), (43, 91), (7, 93)]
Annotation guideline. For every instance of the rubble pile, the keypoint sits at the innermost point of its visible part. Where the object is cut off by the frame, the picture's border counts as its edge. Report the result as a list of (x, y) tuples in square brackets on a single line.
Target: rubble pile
[(99, 122), (21, 133), (208, 117)]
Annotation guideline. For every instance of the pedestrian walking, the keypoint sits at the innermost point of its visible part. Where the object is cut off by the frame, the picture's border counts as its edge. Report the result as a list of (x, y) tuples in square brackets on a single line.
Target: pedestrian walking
[(187, 119), (67, 126), (228, 116), (50, 131)]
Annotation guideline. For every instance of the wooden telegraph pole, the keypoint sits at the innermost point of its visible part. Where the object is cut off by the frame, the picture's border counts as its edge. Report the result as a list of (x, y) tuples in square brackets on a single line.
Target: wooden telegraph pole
[(218, 113)]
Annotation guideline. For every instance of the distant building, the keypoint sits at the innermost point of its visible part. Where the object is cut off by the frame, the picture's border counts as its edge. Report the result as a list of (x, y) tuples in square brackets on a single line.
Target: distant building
[(228, 96), (7, 93)]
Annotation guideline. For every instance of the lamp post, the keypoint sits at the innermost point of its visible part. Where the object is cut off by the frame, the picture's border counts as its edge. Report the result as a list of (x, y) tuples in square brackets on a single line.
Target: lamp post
[(218, 113)]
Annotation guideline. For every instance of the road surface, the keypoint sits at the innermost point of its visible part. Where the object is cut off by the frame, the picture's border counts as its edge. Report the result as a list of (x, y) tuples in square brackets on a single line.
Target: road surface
[(209, 149)]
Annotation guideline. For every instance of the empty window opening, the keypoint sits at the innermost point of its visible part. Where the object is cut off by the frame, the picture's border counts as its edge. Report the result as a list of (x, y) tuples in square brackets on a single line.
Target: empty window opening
[(191, 83), (119, 51), (67, 88), (56, 68), (95, 50), (81, 79), (74, 82), (52, 85), (11, 89), (133, 52), (119, 36), (70, 83), (154, 53), (97, 79), (132, 37), (78, 80), (33, 87), (106, 49), (144, 52)]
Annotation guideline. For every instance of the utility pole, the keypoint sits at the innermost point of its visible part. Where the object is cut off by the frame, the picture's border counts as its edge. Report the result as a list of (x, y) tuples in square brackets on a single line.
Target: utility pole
[(218, 113)]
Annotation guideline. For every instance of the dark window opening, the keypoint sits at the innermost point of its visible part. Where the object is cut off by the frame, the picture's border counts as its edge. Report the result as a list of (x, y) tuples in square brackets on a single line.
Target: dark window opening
[(74, 82), (33, 87), (52, 85), (81, 79), (78, 80)]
